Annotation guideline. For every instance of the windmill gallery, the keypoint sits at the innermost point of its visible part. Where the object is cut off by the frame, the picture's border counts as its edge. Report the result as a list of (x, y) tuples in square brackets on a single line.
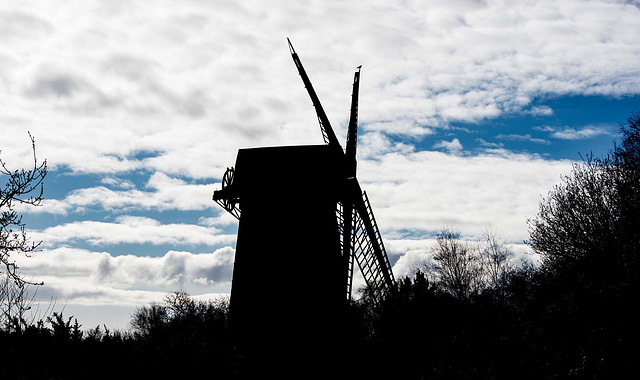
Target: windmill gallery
[(329, 227)]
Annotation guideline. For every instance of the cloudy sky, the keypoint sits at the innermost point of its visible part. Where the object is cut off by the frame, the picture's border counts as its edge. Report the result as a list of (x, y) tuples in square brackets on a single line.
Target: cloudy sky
[(470, 111)]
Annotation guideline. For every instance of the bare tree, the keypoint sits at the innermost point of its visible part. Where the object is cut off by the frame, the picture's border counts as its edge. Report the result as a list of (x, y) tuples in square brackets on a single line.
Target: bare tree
[(19, 186), (15, 302), (464, 268), (180, 304), (495, 255), (457, 267)]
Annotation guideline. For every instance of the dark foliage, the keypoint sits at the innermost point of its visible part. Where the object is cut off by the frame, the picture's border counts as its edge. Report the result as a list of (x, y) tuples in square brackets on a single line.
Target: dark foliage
[(183, 339), (588, 234), (183, 330)]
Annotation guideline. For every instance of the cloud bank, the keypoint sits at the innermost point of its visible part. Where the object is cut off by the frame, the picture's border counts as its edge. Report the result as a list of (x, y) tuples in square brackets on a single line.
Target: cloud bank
[(98, 83), (88, 277), (414, 194)]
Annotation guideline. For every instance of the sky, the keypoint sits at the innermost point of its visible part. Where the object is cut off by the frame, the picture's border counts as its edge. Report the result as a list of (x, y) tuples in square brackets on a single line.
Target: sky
[(470, 112)]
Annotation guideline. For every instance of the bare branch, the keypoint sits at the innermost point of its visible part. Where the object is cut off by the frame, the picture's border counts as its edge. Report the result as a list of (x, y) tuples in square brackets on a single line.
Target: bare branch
[(23, 186)]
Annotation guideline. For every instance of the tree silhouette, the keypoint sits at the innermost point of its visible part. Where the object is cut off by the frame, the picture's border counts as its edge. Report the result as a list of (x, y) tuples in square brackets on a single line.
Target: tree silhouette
[(183, 329), (18, 186), (465, 269), (587, 233), (457, 267), (495, 255)]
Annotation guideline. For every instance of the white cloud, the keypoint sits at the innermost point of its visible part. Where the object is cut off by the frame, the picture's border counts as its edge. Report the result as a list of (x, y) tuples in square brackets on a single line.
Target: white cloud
[(400, 127), (164, 193), (569, 133), (117, 182), (526, 137), (131, 230), (223, 219), (579, 134), (486, 144), (453, 146), (373, 145), (85, 277), (420, 192), (409, 263), (540, 111)]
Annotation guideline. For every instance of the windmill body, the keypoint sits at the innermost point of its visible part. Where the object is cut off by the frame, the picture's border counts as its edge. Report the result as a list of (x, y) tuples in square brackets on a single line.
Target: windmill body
[(304, 223), (287, 271)]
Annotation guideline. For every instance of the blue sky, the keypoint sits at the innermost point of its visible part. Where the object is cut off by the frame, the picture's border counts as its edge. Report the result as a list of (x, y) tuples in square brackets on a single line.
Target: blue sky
[(575, 125), (470, 112)]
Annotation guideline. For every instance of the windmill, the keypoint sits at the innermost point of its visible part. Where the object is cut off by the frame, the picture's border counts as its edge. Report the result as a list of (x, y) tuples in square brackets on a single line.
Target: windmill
[(304, 223)]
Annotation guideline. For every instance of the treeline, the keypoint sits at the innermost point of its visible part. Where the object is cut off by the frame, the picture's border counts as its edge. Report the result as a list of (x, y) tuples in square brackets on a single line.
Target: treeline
[(466, 314), (180, 338)]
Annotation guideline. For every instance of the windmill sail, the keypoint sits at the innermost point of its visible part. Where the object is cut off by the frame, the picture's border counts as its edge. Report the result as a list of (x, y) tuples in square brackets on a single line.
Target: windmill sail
[(345, 218), (327, 132), (368, 250), (352, 134)]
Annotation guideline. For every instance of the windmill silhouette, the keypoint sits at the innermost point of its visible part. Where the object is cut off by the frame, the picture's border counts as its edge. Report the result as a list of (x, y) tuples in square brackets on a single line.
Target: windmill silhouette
[(304, 223)]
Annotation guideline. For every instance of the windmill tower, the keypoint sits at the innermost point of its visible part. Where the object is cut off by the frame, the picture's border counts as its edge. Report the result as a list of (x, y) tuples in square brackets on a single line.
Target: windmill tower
[(304, 223)]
